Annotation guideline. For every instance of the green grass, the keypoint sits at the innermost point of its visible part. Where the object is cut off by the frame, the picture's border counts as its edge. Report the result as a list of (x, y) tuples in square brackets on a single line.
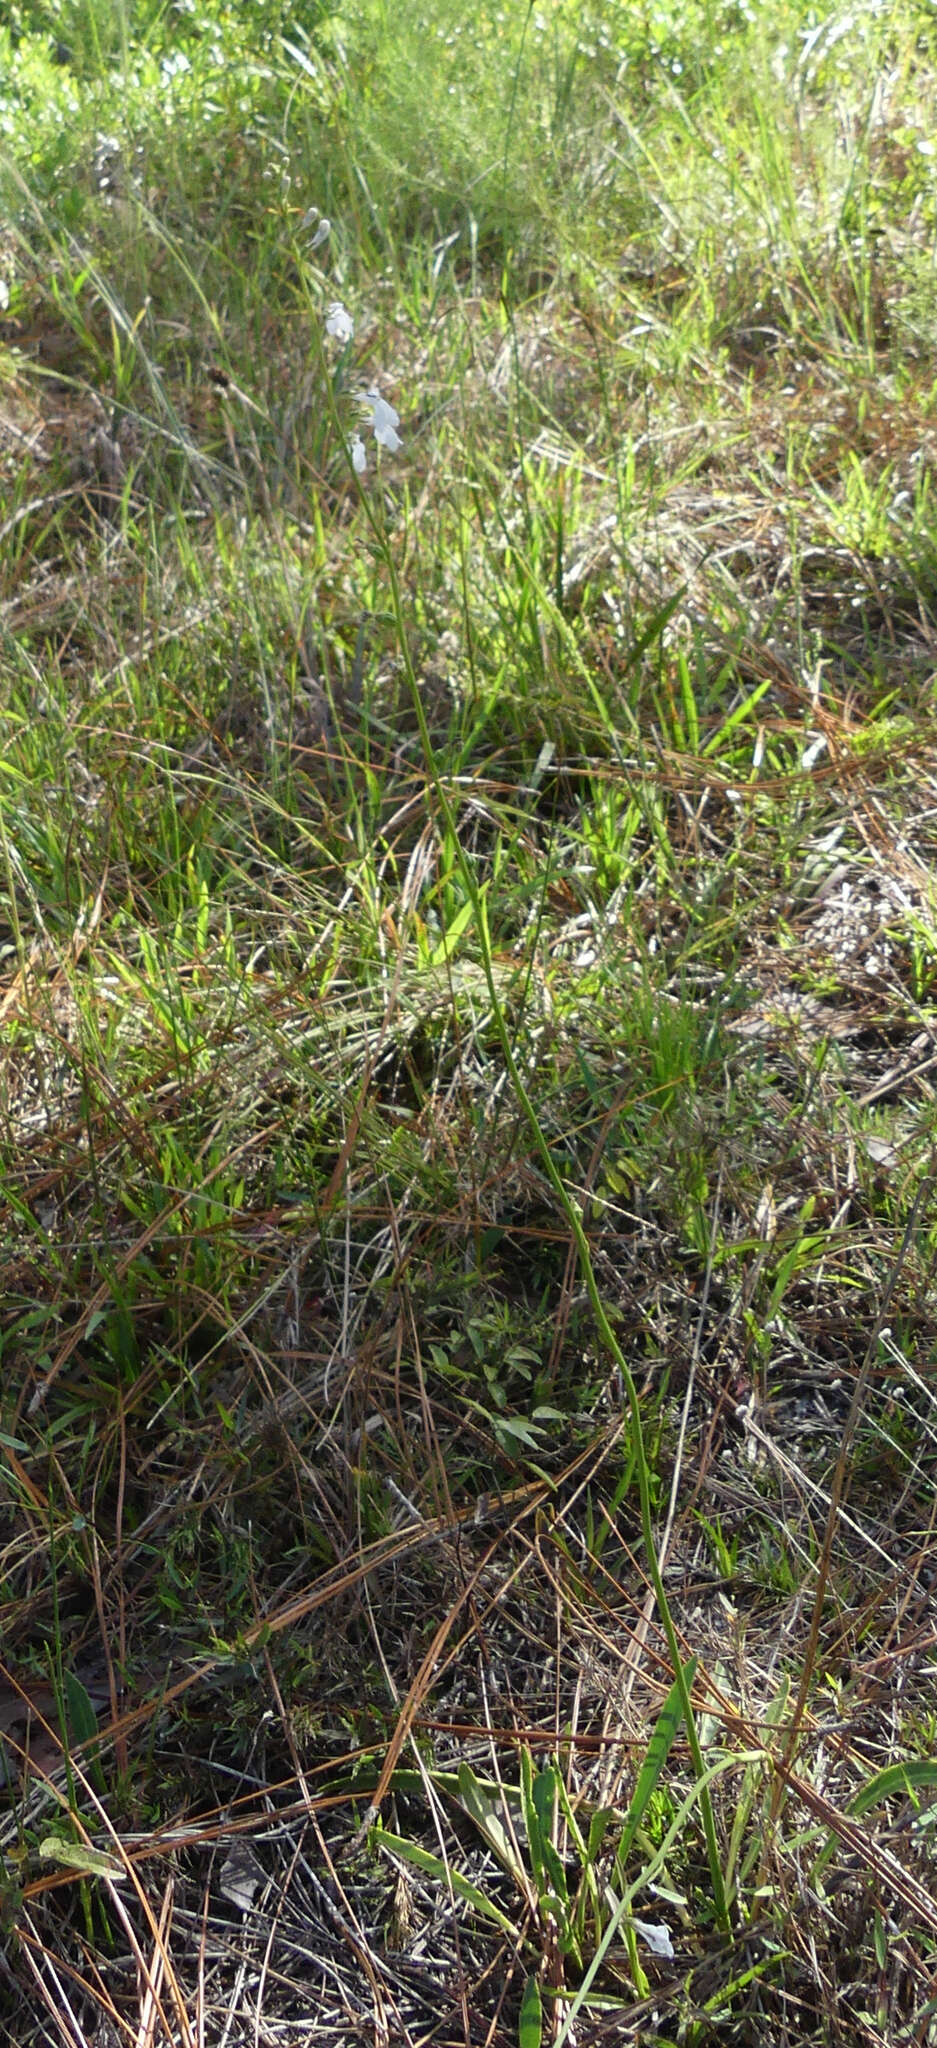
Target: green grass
[(467, 968)]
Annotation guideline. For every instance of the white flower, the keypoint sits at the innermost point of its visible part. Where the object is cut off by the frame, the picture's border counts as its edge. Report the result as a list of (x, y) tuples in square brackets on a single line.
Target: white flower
[(657, 1937), (338, 323), (359, 460), (384, 421), (323, 230)]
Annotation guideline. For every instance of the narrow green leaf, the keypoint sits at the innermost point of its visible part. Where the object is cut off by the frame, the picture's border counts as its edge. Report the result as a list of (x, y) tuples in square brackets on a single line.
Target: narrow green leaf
[(447, 944), (658, 1750), (82, 1719), (690, 710), (737, 717), (893, 1781), (546, 1792), (423, 1859), (531, 1815), (530, 2028)]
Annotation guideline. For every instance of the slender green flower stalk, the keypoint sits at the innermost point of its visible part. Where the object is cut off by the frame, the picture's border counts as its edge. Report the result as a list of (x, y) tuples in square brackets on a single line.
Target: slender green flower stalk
[(574, 1219), (384, 421)]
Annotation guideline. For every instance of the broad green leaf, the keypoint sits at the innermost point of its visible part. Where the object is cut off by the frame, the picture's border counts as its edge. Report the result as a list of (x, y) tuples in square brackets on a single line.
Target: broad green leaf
[(482, 1809), (83, 1725), (78, 1856), (513, 1433)]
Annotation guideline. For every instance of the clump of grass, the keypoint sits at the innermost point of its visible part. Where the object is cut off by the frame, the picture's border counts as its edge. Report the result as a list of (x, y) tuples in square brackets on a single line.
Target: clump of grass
[(466, 964)]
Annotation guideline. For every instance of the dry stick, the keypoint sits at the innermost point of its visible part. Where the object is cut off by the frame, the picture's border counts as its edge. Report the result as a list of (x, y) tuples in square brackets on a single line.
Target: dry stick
[(837, 1490)]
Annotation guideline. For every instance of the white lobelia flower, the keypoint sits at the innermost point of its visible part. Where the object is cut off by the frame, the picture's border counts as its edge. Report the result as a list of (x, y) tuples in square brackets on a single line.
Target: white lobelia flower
[(359, 460), (338, 323), (384, 421), (322, 230)]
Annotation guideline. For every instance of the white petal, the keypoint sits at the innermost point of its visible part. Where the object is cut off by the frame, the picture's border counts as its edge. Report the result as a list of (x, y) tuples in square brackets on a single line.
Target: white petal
[(657, 1937), (382, 414), (338, 323), (359, 459), (811, 753), (322, 233), (387, 437)]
